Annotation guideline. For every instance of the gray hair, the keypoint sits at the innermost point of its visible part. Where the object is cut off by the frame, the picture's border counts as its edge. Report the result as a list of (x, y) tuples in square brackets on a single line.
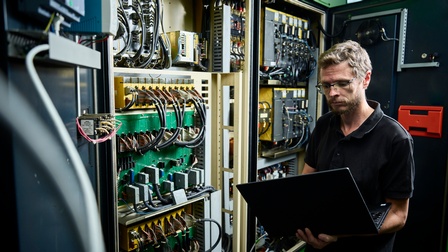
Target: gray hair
[(348, 51)]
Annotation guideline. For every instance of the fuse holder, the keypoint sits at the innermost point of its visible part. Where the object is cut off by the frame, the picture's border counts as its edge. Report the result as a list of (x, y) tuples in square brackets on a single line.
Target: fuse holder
[(423, 121)]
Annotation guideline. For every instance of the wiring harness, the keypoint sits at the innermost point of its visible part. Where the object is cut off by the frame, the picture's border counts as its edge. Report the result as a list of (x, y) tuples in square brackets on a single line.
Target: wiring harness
[(172, 233), (141, 41), (181, 136)]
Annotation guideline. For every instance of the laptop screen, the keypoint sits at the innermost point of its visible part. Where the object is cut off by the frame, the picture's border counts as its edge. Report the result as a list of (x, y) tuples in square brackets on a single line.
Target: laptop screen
[(326, 202)]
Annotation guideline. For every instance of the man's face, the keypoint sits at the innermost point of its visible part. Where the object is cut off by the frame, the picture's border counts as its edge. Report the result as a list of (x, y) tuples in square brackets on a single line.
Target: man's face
[(342, 91)]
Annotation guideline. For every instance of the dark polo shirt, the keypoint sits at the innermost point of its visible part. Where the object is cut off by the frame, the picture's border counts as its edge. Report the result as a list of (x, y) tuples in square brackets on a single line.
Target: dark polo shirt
[(380, 156)]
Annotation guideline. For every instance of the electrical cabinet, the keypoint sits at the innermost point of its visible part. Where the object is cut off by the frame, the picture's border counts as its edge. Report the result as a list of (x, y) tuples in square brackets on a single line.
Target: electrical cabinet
[(176, 167)]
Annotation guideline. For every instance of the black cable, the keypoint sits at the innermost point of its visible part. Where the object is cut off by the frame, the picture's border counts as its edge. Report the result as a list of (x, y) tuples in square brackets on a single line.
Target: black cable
[(166, 63), (150, 201), (134, 95), (201, 110), (147, 205), (305, 129), (159, 195), (150, 208), (157, 208), (201, 191), (143, 31), (187, 238), (219, 232), (161, 111), (344, 25), (313, 41), (124, 21), (152, 47), (179, 121), (300, 140), (227, 243), (265, 129), (136, 208), (163, 108), (198, 96)]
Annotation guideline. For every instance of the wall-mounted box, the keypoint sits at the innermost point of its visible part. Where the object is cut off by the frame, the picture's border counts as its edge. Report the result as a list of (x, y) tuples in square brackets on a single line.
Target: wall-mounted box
[(423, 121)]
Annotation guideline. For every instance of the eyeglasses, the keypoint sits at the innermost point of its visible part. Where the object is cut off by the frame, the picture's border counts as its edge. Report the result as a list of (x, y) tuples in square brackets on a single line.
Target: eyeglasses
[(324, 87)]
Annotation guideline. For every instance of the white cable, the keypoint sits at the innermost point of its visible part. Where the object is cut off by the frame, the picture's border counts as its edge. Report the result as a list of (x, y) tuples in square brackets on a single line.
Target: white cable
[(92, 236), (57, 23), (255, 243)]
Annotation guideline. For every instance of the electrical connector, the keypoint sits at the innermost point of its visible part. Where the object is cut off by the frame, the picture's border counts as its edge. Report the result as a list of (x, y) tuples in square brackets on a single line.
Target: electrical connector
[(180, 180), (128, 90), (201, 175), (143, 191), (143, 178), (168, 186), (100, 126), (153, 173), (194, 177), (133, 194), (179, 196)]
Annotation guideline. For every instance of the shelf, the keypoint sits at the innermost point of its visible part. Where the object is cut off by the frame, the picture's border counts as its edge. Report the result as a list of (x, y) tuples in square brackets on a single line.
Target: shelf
[(141, 71), (234, 206), (134, 218)]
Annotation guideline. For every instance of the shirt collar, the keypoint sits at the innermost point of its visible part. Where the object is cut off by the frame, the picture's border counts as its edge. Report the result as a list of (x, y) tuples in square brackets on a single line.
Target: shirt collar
[(369, 124)]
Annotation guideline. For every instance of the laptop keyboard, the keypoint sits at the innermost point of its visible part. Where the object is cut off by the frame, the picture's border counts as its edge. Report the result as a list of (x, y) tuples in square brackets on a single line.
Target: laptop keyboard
[(379, 213), (377, 217)]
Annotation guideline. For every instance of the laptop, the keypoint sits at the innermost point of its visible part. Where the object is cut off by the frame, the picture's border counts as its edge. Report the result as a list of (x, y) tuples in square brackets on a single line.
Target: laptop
[(325, 202)]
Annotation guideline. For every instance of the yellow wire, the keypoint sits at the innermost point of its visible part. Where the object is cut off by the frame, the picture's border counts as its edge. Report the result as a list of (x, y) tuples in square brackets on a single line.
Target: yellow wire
[(49, 22)]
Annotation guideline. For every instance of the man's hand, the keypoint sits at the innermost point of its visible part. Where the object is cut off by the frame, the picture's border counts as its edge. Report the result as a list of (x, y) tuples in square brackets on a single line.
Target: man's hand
[(318, 242)]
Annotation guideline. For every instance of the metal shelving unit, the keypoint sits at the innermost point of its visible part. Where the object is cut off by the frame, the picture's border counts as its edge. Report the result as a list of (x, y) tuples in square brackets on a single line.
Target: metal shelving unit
[(230, 172)]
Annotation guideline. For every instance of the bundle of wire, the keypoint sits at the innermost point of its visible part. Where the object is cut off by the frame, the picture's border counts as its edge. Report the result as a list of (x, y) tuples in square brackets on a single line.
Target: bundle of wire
[(106, 129)]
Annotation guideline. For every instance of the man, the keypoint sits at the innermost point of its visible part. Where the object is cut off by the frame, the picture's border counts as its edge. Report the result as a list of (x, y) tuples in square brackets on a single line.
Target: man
[(357, 134)]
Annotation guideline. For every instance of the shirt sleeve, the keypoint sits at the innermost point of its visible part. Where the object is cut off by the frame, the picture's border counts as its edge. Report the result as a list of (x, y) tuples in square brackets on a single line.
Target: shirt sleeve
[(398, 178)]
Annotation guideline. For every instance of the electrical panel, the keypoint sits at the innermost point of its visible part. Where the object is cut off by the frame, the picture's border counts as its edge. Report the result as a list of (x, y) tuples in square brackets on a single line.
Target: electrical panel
[(286, 96), (287, 58), (287, 61), (283, 119), (162, 146), (286, 64), (140, 41), (139, 92), (228, 38), (184, 47), (182, 228), (162, 157), (278, 170)]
